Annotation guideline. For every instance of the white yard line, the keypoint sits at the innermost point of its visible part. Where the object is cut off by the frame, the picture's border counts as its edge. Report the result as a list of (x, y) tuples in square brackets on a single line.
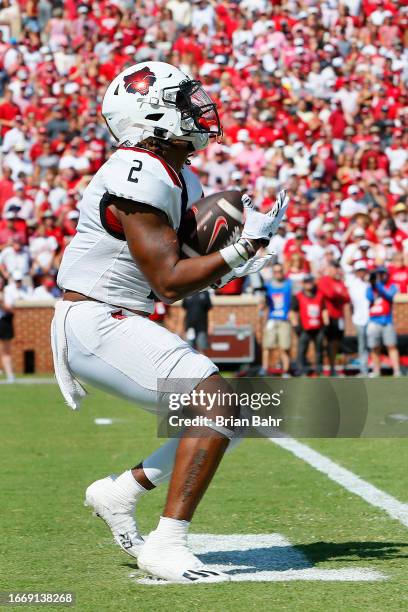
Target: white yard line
[(371, 494), (267, 557), (30, 381)]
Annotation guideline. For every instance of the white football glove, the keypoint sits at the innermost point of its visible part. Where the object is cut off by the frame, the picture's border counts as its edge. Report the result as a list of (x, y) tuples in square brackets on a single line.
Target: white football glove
[(260, 226), (255, 264)]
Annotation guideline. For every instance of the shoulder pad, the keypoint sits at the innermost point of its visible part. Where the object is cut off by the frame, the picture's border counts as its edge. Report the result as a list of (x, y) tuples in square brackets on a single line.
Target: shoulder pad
[(134, 174)]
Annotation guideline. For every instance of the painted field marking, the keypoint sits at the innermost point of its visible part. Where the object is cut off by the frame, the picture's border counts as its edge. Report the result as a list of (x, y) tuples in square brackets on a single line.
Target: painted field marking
[(371, 494), (29, 381), (263, 558)]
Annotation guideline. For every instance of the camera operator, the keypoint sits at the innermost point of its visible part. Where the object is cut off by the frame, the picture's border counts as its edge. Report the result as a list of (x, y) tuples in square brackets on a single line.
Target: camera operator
[(381, 330)]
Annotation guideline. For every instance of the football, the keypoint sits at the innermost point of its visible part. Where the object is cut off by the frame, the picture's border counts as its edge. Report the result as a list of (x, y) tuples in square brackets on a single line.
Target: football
[(211, 224)]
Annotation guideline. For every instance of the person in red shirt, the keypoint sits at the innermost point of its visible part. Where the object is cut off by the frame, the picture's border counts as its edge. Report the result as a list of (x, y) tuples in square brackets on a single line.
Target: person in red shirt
[(187, 43), (373, 149), (338, 122), (6, 187), (37, 147), (399, 273), (298, 215), (308, 315), (296, 244), (336, 296), (49, 221), (8, 112), (11, 227), (95, 148)]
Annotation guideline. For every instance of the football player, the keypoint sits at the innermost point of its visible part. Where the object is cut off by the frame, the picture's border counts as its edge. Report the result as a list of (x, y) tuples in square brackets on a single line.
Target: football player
[(126, 252)]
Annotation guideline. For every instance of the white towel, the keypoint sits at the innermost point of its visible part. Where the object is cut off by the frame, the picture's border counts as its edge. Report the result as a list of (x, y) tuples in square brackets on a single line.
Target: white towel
[(70, 387)]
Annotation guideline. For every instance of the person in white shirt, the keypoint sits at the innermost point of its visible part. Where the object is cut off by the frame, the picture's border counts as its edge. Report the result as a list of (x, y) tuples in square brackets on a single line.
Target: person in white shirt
[(276, 245), (203, 14), (357, 287), (42, 251), (351, 205), (14, 258), (350, 251), (73, 159), (13, 136), (349, 100), (9, 295), (43, 291), (15, 290), (25, 205), (378, 16), (397, 154), (220, 168), (17, 162), (319, 253), (181, 11)]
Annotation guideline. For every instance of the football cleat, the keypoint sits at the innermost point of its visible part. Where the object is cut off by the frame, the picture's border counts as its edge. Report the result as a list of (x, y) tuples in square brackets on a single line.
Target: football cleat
[(108, 502), (170, 559)]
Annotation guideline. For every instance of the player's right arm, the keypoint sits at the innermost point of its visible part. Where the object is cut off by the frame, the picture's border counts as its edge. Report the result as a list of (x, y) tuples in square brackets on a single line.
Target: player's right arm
[(147, 207), (154, 246)]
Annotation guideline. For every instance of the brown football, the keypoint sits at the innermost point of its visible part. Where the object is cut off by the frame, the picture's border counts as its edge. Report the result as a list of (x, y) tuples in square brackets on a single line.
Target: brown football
[(211, 224)]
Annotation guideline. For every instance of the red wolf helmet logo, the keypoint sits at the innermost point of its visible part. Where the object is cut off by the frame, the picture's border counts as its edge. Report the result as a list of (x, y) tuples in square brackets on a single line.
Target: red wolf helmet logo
[(139, 81)]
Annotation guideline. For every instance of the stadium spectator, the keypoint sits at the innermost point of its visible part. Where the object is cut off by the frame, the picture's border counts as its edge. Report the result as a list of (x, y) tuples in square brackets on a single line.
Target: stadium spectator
[(399, 273), (42, 251), (8, 112), (321, 253), (19, 203), (296, 269), (14, 259), (357, 286), (381, 331), (197, 307), (6, 333), (9, 295), (308, 316), (277, 331), (45, 289), (336, 296)]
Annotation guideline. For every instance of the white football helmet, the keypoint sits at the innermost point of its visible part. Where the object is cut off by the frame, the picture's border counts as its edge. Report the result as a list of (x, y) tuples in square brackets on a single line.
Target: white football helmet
[(157, 99)]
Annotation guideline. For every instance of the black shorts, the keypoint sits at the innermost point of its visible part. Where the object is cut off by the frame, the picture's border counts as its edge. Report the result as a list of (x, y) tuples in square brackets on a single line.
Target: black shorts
[(334, 331), (6, 327)]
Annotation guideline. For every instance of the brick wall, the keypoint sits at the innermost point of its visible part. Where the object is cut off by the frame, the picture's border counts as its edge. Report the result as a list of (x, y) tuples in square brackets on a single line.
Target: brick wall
[(244, 308), (32, 324)]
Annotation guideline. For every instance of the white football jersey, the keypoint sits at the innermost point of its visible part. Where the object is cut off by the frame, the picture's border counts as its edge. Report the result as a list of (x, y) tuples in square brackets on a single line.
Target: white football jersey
[(97, 262)]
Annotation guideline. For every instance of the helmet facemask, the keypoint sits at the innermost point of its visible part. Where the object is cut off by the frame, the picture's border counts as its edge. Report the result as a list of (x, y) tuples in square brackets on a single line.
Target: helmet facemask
[(198, 112)]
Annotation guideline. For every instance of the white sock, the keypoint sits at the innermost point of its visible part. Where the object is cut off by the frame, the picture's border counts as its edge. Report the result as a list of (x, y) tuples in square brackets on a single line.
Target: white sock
[(159, 465), (130, 488), (169, 528)]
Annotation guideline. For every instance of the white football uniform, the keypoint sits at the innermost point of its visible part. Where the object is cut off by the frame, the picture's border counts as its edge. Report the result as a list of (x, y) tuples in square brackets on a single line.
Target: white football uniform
[(102, 342), (97, 262)]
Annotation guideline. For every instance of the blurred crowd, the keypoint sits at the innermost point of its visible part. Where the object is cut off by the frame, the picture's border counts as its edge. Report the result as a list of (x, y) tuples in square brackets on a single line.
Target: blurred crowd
[(312, 96)]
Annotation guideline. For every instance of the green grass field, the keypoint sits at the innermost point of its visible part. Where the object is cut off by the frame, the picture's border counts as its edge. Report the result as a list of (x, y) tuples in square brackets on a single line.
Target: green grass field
[(50, 542)]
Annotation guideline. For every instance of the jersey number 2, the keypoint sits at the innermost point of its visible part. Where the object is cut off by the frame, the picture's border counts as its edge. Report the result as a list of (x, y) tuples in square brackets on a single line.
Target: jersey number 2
[(132, 178)]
